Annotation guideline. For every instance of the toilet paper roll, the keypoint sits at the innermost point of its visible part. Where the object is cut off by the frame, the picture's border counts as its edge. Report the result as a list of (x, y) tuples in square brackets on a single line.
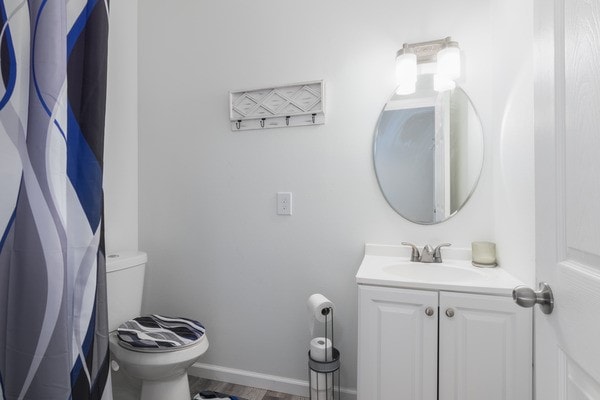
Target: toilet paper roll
[(321, 394), (321, 349), (317, 305), (321, 382)]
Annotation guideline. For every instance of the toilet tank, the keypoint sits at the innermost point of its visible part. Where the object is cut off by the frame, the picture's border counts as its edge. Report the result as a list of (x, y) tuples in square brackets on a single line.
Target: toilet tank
[(124, 286)]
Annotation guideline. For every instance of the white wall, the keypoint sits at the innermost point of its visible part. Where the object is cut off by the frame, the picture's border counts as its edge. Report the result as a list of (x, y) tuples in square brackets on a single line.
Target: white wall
[(512, 132), (121, 137), (217, 250)]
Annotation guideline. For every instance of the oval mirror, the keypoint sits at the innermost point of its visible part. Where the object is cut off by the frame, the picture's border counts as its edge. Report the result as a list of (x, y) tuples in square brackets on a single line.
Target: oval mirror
[(428, 152)]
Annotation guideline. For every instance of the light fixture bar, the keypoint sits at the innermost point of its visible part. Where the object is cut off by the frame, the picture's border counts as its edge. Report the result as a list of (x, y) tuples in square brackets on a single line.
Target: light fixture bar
[(426, 52)]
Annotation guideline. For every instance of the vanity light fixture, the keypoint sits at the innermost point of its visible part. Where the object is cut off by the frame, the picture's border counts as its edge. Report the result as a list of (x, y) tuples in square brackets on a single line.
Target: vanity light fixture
[(445, 53)]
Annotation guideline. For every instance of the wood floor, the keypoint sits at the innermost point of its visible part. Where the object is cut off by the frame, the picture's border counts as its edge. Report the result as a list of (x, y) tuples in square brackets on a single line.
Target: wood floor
[(245, 392)]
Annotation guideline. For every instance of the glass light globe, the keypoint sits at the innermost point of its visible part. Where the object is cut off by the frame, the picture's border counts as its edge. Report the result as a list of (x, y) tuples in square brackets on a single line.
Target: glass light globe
[(406, 73), (448, 61)]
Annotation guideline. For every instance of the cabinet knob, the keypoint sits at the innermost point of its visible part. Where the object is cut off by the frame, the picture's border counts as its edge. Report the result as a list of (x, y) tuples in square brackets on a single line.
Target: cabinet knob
[(449, 312), (429, 311)]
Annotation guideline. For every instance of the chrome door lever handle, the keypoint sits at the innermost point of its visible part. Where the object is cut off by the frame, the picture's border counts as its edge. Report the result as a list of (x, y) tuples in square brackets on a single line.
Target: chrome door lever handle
[(527, 297)]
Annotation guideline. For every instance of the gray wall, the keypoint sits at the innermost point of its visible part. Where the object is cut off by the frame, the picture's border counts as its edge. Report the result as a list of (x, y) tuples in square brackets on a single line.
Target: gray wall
[(121, 137)]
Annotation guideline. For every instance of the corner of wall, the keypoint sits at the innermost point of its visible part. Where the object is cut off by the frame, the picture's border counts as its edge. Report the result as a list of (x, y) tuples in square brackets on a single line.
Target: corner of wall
[(121, 132), (514, 188)]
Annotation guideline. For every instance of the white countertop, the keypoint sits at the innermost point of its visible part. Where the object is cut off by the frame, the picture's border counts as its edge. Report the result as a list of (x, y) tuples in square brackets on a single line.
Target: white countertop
[(388, 265)]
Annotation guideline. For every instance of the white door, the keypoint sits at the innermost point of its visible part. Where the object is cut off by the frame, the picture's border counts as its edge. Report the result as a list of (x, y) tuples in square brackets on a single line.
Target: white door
[(567, 135)]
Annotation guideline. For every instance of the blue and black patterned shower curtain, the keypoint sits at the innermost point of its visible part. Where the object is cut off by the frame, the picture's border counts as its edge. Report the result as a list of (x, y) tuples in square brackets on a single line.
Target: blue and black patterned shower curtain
[(53, 321)]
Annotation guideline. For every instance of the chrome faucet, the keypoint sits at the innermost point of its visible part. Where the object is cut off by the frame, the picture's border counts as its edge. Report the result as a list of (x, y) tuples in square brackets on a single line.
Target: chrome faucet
[(428, 255)]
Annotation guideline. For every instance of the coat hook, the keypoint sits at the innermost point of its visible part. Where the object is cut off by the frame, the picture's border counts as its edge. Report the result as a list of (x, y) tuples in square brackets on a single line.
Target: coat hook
[(238, 123), (287, 120), (313, 118), (262, 122)]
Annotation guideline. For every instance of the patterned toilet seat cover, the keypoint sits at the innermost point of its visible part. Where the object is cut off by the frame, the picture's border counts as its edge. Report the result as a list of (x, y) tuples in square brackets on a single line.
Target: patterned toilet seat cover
[(159, 333)]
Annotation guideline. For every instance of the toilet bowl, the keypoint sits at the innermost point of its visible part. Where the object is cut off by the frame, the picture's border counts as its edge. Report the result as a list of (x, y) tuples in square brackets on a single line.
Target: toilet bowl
[(162, 370), (163, 373)]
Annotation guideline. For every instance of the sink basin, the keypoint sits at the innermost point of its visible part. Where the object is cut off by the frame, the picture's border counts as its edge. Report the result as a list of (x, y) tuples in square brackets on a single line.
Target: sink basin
[(434, 272)]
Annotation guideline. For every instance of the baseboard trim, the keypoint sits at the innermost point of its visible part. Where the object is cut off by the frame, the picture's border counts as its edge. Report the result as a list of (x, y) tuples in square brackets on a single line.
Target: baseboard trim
[(262, 381)]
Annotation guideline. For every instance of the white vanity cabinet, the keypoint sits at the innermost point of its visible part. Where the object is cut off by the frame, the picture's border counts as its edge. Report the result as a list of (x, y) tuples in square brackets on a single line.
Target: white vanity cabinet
[(397, 344), (435, 344)]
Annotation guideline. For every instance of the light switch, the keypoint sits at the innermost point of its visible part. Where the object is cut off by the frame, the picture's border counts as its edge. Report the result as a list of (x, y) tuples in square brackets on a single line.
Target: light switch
[(284, 203)]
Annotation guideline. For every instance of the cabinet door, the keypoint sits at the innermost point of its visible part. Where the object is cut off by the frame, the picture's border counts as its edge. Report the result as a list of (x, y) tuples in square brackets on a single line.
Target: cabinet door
[(485, 348), (397, 344)]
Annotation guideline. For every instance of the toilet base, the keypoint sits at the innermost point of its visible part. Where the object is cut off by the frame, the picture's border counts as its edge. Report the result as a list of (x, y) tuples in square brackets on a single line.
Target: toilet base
[(173, 388)]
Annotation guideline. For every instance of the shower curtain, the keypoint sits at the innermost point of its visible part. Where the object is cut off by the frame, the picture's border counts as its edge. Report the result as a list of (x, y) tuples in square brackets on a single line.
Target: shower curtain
[(53, 320)]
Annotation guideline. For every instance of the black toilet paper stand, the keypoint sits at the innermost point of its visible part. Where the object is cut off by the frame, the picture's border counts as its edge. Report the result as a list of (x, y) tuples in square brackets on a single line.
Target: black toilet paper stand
[(330, 367)]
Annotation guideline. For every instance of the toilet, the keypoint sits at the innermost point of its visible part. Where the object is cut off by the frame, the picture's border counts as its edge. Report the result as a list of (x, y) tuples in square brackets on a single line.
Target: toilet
[(162, 370)]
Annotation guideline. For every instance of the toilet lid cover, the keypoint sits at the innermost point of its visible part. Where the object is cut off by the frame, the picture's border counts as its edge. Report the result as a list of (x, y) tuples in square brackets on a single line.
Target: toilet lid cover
[(157, 332)]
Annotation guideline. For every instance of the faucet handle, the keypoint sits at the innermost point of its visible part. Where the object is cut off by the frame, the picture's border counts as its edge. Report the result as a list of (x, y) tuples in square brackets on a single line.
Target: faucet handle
[(415, 256), (437, 253)]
